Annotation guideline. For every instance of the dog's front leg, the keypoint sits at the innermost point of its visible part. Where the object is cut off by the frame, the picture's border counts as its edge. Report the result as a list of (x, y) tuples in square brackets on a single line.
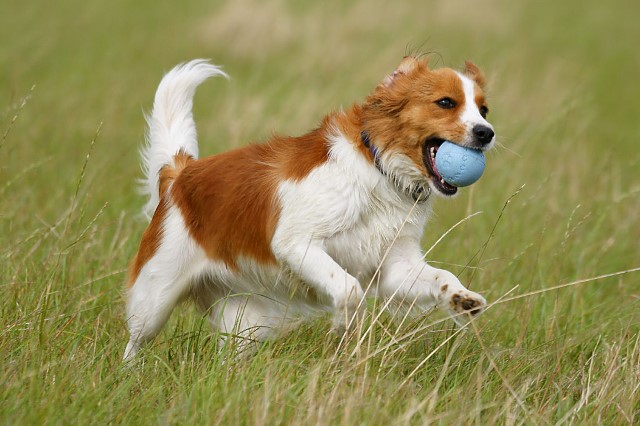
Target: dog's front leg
[(315, 267), (408, 279)]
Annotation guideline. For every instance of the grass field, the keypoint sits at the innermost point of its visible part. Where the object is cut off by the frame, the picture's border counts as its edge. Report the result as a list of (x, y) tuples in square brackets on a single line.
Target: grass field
[(561, 343)]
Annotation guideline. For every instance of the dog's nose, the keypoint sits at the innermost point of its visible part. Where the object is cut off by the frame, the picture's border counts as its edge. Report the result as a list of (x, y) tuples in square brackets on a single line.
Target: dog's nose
[(483, 134)]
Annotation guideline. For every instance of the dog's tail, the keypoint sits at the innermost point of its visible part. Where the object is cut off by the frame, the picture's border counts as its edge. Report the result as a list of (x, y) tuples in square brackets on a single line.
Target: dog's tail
[(171, 139)]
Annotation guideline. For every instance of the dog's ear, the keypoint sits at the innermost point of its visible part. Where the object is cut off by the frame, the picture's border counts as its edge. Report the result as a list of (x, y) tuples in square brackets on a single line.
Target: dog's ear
[(407, 66), (473, 72)]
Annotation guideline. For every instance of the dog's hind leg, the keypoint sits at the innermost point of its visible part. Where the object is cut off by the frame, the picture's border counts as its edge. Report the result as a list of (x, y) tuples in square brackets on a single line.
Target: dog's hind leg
[(162, 282), (245, 320)]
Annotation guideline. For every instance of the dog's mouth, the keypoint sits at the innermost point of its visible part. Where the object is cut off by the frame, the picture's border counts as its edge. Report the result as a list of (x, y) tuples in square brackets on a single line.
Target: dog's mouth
[(429, 153)]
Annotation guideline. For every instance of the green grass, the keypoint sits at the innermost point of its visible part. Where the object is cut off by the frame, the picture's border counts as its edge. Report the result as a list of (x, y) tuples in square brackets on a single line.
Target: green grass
[(74, 80)]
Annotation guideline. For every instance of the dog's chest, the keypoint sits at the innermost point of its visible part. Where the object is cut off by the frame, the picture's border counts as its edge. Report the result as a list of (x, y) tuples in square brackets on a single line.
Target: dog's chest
[(350, 208), (361, 247)]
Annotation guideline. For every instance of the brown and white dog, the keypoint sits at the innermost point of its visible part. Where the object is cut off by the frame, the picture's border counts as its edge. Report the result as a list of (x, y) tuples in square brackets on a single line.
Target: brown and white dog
[(262, 236)]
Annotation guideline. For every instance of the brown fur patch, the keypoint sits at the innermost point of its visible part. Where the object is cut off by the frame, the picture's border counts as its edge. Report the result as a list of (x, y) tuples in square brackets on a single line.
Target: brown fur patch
[(480, 99), (474, 73), (229, 201), (294, 157), (169, 173)]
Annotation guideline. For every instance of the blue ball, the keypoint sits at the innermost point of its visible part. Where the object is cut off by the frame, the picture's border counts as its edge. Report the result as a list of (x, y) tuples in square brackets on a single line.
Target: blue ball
[(459, 165)]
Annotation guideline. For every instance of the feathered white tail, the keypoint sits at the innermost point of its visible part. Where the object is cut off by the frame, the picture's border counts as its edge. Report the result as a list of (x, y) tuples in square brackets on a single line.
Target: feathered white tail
[(170, 125)]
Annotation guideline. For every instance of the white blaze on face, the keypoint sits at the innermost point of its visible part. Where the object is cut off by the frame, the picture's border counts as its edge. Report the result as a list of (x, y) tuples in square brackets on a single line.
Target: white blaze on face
[(470, 116)]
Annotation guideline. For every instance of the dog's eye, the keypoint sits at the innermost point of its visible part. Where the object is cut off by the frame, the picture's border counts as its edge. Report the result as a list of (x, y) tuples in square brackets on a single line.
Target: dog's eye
[(484, 111), (446, 103)]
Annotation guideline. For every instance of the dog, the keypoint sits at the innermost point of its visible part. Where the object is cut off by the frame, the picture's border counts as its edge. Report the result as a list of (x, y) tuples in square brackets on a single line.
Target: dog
[(265, 235)]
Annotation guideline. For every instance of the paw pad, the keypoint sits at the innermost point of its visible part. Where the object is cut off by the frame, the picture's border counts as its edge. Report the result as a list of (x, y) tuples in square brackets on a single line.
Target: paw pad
[(462, 303)]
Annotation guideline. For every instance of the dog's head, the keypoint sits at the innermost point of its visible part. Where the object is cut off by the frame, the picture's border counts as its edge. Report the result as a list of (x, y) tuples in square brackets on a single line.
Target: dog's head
[(414, 109)]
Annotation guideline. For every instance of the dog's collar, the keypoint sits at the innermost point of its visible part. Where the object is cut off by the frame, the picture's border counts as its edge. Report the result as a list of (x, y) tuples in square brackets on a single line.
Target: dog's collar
[(373, 150), (420, 194)]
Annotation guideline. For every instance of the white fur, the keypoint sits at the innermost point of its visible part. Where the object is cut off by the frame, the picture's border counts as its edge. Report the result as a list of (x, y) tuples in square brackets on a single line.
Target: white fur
[(162, 282), (403, 172), (337, 226), (471, 114), (170, 124)]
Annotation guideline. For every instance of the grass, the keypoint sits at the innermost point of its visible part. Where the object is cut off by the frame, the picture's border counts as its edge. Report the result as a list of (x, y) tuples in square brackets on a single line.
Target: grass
[(557, 346)]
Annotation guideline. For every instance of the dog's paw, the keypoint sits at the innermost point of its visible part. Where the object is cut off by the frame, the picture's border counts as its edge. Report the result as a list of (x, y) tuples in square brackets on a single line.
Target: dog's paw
[(465, 304), (348, 310)]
